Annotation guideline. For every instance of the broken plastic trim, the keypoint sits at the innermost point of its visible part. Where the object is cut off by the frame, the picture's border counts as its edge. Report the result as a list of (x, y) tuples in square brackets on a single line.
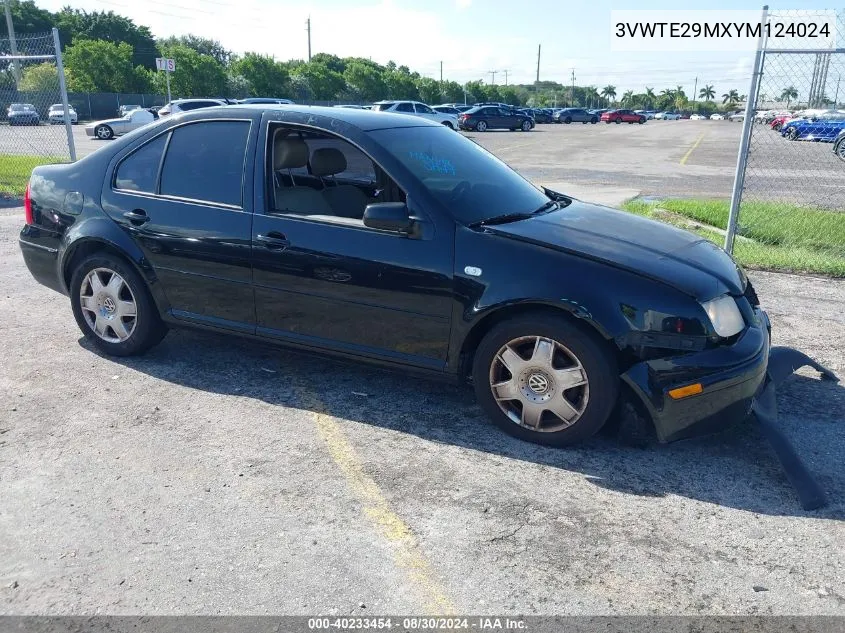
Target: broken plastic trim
[(783, 361)]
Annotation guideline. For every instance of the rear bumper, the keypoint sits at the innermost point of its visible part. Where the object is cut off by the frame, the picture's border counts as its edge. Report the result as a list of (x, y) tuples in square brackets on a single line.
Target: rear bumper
[(41, 260), (730, 377)]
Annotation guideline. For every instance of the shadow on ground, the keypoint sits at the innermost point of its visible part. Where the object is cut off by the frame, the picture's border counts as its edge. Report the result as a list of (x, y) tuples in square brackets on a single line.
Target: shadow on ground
[(733, 469)]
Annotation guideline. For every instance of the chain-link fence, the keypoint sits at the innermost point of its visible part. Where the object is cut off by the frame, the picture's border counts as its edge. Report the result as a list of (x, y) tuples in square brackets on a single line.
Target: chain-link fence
[(792, 195), (32, 114)]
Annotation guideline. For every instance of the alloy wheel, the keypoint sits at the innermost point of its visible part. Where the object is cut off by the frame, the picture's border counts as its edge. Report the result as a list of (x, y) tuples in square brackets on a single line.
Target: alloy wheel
[(840, 150), (539, 384), (108, 305)]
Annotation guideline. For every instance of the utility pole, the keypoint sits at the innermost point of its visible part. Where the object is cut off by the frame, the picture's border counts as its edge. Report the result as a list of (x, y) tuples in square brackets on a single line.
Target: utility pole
[(441, 72), (836, 98), (538, 62), (572, 91), (16, 68), (506, 76), (695, 90), (493, 74), (308, 28)]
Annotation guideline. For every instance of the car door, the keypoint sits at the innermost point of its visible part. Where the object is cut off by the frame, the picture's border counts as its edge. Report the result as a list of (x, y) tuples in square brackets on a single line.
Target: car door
[(426, 112), (405, 107), (332, 283), (179, 196)]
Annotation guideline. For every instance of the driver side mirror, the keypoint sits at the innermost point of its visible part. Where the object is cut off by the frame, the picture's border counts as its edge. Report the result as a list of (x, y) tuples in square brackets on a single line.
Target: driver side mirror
[(388, 216)]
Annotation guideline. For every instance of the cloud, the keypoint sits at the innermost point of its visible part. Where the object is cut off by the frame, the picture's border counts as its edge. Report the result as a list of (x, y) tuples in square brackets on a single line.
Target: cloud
[(463, 4)]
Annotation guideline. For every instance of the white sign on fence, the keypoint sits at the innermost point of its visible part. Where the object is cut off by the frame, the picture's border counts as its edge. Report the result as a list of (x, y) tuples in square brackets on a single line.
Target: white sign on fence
[(163, 63)]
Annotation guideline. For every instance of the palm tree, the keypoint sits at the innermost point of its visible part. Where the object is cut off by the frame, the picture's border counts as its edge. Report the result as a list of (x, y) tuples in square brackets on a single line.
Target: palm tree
[(730, 98), (628, 97), (789, 94), (707, 93), (591, 94), (609, 93), (649, 97)]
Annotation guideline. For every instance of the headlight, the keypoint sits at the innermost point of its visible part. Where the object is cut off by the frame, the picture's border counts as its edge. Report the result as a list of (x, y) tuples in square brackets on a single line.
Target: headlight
[(724, 316)]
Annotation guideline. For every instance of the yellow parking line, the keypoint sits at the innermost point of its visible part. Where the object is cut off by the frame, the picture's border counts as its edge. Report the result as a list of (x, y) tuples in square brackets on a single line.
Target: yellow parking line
[(406, 551), (694, 145)]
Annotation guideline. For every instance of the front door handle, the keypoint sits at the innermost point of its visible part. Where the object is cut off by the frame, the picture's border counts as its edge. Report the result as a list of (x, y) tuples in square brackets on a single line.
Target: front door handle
[(137, 217), (273, 240)]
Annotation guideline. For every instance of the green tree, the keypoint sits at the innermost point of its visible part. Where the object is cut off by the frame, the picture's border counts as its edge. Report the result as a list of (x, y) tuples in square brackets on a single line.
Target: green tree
[(400, 84), (323, 84), (649, 97), (41, 78), (332, 62), (100, 66), (510, 95), (264, 76), (730, 98), (201, 45), (366, 80), (74, 25), (453, 92), (707, 93), (196, 75), (789, 93), (609, 93), (28, 18), (627, 98), (429, 90)]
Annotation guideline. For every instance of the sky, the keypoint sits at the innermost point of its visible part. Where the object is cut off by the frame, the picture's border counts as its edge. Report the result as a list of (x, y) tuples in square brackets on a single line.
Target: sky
[(470, 38)]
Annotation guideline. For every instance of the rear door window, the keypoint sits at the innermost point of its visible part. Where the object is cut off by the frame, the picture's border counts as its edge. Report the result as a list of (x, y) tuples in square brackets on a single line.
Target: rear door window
[(405, 107), (139, 170), (205, 162)]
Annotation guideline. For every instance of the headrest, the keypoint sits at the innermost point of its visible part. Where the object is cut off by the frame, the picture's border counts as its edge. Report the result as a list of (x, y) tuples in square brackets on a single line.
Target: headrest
[(327, 161), (289, 153)]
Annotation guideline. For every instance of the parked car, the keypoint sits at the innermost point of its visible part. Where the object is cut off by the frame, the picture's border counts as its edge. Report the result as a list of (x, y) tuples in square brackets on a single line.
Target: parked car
[(737, 117), (542, 115), (483, 118), (56, 114), (350, 106), (22, 114), (824, 130), (670, 116), (622, 116), (269, 100), (426, 253), (697, 117), (446, 109), (839, 145), (717, 117), (105, 130), (415, 108), (575, 115), (186, 105), (125, 109)]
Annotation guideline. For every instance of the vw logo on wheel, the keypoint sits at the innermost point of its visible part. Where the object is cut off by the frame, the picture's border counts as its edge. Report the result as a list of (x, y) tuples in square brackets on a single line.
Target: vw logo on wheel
[(109, 305), (538, 383)]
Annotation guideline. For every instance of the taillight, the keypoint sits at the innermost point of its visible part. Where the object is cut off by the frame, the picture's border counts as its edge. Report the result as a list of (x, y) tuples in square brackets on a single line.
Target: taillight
[(27, 205)]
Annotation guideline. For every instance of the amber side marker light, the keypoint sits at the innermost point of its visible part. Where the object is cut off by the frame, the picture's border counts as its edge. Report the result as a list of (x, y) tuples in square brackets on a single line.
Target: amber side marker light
[(683, 392)]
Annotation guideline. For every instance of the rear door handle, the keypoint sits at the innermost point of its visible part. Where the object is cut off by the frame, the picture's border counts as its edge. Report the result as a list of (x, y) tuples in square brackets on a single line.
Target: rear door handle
[(137, 217), (273, 240)]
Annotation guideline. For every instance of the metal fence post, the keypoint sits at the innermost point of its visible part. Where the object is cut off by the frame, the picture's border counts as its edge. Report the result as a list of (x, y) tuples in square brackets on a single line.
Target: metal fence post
[(63, 89), (747, 122)]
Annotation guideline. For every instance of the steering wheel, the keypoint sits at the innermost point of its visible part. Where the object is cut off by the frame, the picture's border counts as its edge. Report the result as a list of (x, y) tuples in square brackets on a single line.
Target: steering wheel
[(460, 190)]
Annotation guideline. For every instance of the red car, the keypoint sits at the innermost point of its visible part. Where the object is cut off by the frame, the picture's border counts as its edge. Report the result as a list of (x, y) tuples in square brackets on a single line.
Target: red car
[(778, 121), (618, 116)]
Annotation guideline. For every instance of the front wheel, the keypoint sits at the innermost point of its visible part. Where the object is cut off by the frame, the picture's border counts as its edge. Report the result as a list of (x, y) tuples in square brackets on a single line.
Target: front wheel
[(481, 126), (792, 134), (545, 380), (618, 120), (449, 125), (526, 126), (103, 132), (113, 307), (568, 120), (594, 120), (641, 121), (839, 150)]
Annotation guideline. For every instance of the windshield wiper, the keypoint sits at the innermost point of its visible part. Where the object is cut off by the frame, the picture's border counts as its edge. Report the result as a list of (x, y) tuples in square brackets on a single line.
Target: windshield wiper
[(513, 217)]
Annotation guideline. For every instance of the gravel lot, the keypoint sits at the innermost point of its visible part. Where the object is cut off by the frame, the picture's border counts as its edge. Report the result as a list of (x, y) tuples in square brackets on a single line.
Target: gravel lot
[(215, 476)]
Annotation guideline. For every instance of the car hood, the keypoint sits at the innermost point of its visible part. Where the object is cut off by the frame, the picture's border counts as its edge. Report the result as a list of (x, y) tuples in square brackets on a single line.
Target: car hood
[(106, 122), (662, 252)]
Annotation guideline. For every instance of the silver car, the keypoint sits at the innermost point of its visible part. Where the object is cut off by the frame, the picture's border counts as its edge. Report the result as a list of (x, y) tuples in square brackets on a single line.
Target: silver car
[(110, 128), (56, 114)]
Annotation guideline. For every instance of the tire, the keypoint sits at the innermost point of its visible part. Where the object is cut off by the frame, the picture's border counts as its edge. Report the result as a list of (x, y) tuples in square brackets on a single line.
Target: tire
[(481, 126), (641, 121), (792, 134), (777, 126), (594, 120), (526, 126), (839, 150), (618, 120), (103, 132), (608, 121), (575, 348), (122, 333), (568, 120), (449, 125)]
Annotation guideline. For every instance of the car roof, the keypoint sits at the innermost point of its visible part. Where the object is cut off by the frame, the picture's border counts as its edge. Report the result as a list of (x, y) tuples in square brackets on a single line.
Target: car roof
[(365, 120)]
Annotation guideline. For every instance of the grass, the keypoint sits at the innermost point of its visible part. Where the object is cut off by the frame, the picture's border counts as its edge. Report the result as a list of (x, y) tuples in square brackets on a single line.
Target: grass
[(779, 236), (15, 171)]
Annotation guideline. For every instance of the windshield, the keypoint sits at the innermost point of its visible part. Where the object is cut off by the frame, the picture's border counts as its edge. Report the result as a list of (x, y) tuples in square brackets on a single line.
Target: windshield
[(467, 179), (21, 106)]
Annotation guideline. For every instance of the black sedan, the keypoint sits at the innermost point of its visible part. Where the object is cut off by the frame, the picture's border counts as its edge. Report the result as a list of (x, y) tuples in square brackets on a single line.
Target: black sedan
[(483, 118), (396, 241), (575, 115)]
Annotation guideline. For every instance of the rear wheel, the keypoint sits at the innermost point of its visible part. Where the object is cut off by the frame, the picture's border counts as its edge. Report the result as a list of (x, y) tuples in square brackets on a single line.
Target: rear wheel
[(481, 126), (113, 307), (792, 134), (642, 120), (526, 126), (545, 380), (618, 120), (449, 125), (839, 149), (568, 120), (594, 120)]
